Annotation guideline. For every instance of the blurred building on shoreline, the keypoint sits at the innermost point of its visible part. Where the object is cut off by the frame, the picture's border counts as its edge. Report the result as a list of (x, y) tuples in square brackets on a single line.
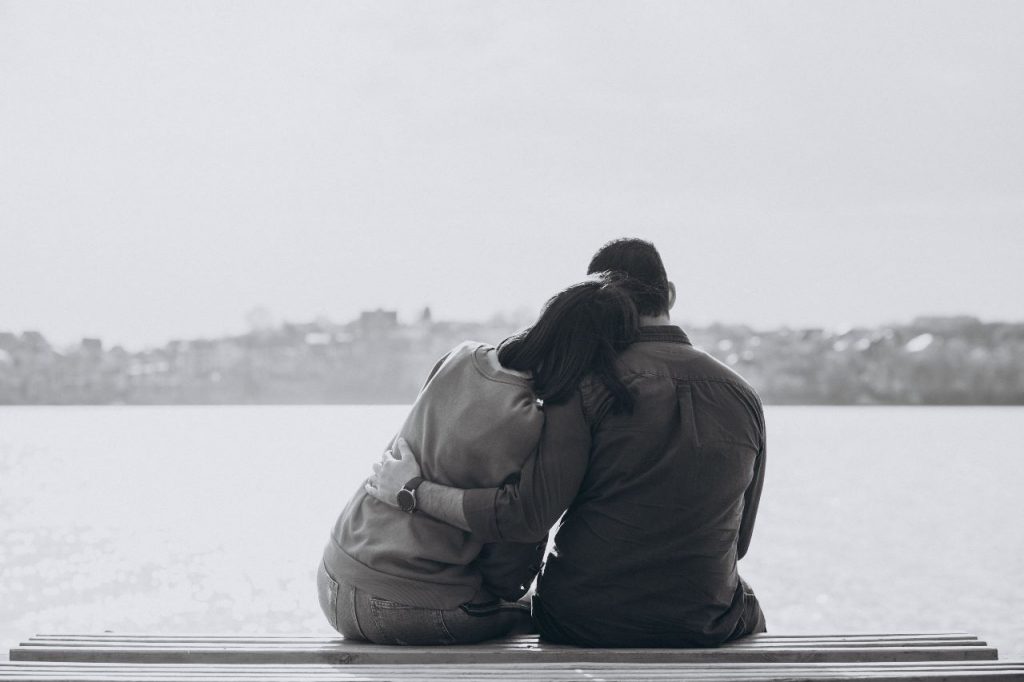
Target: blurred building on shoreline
[(377, 359)]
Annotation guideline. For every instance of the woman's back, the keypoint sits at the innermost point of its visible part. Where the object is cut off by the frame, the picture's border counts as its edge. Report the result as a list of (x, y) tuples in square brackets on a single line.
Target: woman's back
[(392, 577), (473, 425)]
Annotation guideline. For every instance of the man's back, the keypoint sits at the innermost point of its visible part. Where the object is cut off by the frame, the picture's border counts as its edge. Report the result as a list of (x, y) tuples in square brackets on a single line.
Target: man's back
[(646, 554)]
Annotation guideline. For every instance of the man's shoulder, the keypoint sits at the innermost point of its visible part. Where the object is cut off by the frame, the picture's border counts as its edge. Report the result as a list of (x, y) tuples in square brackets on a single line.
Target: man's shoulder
[(654, 372), (680, 363)]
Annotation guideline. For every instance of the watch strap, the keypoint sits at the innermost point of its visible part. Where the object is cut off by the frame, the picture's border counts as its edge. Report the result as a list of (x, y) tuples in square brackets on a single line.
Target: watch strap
[(407, 495)]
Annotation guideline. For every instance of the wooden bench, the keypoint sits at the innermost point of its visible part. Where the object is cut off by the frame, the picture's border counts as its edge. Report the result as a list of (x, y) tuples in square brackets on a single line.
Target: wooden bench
[(736, 672), (166, 658)]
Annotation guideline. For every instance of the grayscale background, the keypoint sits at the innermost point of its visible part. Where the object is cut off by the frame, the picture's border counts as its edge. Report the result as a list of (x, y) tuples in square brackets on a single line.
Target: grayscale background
[(234, 237)]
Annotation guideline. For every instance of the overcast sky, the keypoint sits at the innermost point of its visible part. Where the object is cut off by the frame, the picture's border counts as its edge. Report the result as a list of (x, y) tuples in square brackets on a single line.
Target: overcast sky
[(166, 167)]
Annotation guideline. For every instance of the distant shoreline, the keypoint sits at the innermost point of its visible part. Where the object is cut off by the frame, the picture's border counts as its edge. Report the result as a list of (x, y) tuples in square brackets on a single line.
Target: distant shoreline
[(376, 360)]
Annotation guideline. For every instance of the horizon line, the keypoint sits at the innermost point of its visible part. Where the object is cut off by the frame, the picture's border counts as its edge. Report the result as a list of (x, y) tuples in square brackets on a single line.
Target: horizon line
[(497, 319)]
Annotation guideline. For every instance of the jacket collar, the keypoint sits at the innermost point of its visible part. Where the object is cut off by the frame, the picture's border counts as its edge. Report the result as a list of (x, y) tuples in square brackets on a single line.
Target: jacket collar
[(667, 333)]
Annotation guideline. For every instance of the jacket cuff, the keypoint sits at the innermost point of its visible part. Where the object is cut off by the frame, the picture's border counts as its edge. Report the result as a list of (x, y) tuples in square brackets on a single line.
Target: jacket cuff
[(478, 507)]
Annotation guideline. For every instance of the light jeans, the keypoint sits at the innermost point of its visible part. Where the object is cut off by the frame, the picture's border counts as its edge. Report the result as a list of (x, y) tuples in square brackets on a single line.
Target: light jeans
[(358, 615)]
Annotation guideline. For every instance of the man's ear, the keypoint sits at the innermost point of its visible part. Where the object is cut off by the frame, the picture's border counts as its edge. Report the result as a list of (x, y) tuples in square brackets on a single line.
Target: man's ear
[(671, 295)]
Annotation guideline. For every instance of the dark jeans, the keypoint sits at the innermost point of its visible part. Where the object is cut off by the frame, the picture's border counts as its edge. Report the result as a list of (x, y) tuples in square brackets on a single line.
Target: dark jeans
[(358, 615), (751, 620)]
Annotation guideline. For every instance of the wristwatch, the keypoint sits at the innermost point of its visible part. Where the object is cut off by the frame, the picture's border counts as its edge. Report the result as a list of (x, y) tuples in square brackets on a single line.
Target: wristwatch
[(407, 495)]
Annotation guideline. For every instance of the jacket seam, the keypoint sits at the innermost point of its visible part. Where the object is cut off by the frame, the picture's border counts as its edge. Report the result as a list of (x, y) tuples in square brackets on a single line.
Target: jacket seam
[(725, 441), (511, 381), (660, 338), (729, 382)]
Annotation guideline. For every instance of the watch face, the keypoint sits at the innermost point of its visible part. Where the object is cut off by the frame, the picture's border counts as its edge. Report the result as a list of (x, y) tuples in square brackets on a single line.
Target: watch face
[(406, 500)]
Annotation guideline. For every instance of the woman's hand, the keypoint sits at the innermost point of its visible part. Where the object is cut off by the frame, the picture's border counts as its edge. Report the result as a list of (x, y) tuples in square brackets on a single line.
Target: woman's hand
[(391, 474)]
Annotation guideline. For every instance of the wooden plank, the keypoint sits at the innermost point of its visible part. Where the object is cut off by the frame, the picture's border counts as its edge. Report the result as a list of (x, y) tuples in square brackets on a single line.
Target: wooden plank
[(774, 635), (502, 646), (27, 652), (351, 653), (305, 668), (295, 650), (525, 640), (932, 672), (318, 638)]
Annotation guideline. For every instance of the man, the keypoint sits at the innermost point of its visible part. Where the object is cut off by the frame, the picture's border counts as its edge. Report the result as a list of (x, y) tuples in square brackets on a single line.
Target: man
[(659, 503)]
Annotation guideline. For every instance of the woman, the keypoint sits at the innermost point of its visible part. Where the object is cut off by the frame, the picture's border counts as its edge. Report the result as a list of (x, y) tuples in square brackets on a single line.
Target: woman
[(393, 577)]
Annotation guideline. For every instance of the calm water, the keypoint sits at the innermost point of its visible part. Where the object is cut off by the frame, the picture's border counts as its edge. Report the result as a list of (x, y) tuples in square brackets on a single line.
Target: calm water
[(185, 519)]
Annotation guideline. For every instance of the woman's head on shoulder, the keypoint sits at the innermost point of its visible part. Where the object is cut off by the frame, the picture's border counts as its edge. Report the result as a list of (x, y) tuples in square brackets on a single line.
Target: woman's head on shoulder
[(580, 331)]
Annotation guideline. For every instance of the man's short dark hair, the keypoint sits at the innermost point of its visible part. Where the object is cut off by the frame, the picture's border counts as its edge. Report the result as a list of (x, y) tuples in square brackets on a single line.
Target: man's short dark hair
[(641, 262)]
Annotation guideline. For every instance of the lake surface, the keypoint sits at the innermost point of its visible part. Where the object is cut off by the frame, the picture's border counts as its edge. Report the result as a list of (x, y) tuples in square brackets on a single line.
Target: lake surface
[(187, 519)]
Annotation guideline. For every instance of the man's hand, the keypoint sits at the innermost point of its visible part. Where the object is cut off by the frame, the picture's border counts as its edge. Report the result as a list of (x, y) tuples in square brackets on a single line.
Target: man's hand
[(391, 473)]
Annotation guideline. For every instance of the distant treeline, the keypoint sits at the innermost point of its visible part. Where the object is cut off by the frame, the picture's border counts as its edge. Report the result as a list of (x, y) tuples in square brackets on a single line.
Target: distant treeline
[(376, 359)]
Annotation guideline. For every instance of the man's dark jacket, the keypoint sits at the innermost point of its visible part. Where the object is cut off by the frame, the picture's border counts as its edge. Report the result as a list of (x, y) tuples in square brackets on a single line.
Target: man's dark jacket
[(661, 503)]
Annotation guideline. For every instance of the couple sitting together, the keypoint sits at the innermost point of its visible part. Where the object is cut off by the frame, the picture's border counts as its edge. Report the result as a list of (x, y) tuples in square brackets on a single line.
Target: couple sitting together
[(602, 410)]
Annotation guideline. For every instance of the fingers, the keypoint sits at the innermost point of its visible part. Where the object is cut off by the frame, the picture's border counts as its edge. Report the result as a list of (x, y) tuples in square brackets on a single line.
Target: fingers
[(396, 466), (372, 484), (370, 488), (403, 449)]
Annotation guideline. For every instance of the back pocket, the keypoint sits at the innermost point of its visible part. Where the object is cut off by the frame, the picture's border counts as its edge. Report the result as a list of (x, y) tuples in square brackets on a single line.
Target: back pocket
[(327, 591)]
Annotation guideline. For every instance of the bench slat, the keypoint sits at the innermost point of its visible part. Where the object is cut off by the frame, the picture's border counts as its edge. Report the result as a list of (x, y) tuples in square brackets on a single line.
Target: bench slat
[(233, 636), (524, 640), (531, 644), (350, 653), (932, 672)]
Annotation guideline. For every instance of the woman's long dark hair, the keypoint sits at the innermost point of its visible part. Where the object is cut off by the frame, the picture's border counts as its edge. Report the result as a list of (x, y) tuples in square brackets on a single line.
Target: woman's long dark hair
[(581, 330)]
